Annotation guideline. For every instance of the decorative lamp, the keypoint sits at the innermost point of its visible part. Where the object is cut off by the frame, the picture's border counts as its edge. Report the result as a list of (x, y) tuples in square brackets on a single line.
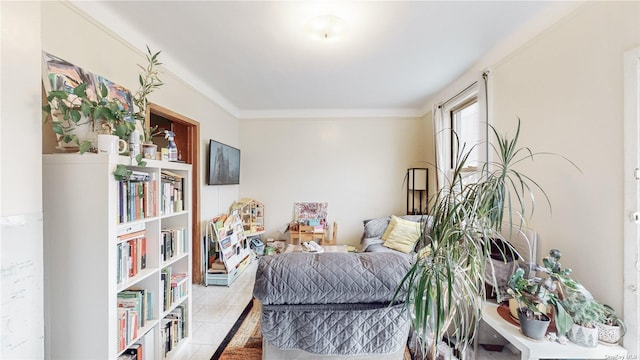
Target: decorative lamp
[(417, 186)]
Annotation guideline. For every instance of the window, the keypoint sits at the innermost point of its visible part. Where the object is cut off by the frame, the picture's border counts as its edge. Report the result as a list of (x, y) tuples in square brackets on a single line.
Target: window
[(465, 124), (460, 127)]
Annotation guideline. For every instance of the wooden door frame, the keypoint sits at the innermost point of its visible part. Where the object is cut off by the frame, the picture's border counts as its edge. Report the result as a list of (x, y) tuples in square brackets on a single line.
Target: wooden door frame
[(193, 141)]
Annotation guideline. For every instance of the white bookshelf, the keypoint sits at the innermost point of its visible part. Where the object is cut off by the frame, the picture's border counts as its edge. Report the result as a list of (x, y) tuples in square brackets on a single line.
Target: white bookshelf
[(81, 265)]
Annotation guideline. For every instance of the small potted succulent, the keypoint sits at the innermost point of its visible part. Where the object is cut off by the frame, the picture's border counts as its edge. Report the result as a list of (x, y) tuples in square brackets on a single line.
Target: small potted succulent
[(585, 312), (149, 149)]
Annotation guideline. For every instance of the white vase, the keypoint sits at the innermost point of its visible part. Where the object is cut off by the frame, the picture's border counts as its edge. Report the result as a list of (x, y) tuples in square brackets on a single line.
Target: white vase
[(583, 336)]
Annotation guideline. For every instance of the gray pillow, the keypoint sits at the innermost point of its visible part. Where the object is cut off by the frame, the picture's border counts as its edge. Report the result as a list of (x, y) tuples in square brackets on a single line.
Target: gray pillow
[(374, 228)]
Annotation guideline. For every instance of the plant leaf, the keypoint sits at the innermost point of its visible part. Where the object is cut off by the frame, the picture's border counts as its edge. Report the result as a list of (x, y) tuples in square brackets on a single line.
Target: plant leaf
[(103, 90), (80, 90), (121, 173), (75, 116), (85, 146)]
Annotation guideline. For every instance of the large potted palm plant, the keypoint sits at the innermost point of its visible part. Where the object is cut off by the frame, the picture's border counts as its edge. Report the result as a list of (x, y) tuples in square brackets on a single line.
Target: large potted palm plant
[(446, 288)]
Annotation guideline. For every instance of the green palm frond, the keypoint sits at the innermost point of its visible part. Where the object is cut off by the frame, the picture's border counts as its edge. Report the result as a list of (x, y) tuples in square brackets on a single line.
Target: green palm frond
[(446, 288)]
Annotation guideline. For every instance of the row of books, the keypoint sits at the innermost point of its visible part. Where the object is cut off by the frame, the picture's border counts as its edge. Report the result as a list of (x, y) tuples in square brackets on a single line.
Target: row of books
[(135, 308), (143, 349), (174, 287), (174, 242), (172, 188), (137, 197), (127, 329), (131, 255), (173, 329)]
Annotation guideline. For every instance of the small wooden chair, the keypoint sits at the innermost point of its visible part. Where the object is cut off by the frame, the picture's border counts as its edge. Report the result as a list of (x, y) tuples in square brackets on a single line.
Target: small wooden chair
[(334, 236)]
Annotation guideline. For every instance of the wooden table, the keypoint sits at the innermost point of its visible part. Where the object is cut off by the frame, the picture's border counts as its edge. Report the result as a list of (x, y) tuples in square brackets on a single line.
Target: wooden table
[(542, 349)]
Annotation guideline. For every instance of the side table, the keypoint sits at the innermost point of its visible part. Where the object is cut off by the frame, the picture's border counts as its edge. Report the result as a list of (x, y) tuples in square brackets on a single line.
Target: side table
[(541, 349)]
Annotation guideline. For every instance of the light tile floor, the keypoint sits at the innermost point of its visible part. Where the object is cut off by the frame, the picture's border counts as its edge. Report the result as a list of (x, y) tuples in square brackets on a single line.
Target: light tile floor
[(216, 308)]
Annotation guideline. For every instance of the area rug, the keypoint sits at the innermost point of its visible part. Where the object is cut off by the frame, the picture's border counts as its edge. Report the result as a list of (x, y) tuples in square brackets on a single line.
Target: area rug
[(244, 340)]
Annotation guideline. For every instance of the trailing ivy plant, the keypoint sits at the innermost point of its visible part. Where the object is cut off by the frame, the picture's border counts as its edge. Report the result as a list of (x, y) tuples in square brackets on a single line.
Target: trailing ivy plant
[(68, 111), (122, 173)]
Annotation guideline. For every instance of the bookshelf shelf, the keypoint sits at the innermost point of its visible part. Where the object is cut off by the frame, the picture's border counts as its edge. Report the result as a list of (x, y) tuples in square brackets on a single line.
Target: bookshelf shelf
[(116, 256)]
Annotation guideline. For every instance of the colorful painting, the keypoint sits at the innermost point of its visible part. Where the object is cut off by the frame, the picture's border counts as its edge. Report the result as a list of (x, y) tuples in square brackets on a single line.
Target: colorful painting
[(116, 92), (305, 211), (63, 75)]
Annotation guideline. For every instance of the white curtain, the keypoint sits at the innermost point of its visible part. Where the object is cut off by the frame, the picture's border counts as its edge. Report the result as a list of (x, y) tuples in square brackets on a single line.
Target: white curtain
[(442, 131), (442, 125)]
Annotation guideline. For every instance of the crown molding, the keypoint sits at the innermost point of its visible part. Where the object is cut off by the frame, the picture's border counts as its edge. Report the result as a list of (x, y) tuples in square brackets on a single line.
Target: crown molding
[(329, 113)]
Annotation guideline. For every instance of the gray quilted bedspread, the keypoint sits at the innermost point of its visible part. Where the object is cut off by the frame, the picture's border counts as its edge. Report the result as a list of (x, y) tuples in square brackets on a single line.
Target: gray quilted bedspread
[(333, 303)]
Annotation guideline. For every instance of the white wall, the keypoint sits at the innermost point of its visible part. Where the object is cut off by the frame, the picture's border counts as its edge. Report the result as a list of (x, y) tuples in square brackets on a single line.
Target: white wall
[(21, 182), (356, 165), (70, 34), (567, 87), (21, 161)]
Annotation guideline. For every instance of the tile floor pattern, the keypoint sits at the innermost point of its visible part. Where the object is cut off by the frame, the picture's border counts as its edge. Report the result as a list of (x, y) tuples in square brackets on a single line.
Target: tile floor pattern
[(216, 308)]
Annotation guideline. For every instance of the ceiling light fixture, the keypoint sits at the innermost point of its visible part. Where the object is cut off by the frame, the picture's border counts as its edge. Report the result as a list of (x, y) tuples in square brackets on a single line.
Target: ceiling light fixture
[(326, 27)]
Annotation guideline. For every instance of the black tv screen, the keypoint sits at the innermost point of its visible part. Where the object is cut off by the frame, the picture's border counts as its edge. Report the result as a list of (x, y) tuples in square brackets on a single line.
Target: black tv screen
[(224, 164)]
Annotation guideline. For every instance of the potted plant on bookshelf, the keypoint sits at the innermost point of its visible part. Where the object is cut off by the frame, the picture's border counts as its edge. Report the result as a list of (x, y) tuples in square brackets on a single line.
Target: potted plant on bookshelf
[(446, 282), (71, 112), (610, 327), (149, 149), (149, 81)]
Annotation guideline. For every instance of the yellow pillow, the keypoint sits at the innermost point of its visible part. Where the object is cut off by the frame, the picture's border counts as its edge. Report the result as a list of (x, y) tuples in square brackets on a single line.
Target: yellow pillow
[(401, 234)]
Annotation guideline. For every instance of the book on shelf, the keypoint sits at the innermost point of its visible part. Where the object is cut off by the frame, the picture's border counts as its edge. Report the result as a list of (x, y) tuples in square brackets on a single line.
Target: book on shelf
[(123, 315), (172, 188), (137, 305), (165, 278), (179, 314), (133, 301), (131, 255), (135, 349), (174, 242), (179, 286), (136, 198), (172, 328)]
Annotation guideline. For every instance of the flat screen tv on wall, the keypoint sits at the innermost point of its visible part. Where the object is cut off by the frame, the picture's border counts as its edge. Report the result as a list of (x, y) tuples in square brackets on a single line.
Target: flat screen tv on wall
[(224, 164)]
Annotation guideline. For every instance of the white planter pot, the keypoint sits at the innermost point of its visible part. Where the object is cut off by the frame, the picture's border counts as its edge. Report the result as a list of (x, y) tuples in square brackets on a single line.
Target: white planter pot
[(609, 334), (149, 151), (583, 336)]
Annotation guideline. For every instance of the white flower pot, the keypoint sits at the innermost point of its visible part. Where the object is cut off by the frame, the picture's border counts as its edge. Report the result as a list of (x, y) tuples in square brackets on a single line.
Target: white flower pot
[(609, 334), (583, 336)]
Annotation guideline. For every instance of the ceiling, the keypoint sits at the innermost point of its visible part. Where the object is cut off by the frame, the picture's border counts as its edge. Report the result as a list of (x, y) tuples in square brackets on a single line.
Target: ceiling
[(255, 59)]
